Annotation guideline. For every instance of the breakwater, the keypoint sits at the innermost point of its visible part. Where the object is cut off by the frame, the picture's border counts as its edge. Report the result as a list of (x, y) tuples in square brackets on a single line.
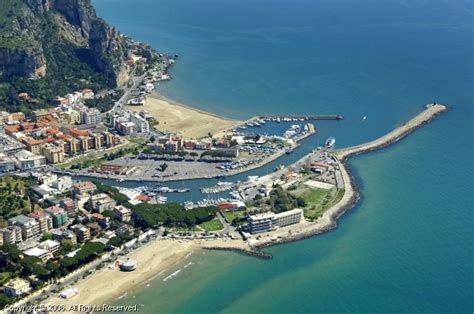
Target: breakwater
[(328, 220), (430, 112), (249, 252), (303, 117)]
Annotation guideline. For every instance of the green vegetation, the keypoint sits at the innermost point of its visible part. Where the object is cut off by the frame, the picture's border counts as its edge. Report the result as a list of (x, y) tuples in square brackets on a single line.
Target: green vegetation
[(104, 103), (217, 153), (317, 200), (281, 200), (96, 158), (70, 66), (151, 215), (236, 217), (171, 215), (16, 196), (212, 225)]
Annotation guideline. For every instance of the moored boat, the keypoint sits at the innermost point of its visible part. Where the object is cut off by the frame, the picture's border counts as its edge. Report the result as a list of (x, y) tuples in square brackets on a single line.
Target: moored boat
[(330, 142)]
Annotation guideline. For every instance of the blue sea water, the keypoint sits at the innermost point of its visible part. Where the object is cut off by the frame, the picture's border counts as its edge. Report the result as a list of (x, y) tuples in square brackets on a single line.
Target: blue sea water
[(408, 245)]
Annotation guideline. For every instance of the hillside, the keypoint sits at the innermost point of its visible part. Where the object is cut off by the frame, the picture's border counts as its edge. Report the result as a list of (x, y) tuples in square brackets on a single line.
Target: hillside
[(52, 47)]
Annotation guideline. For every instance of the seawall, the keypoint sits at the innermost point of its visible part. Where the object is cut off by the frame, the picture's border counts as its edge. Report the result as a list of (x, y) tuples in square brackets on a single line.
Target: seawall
[(328, 220)]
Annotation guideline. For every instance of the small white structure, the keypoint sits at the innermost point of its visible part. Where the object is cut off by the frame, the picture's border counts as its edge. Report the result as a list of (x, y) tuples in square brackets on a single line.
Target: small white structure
[(68, 293)]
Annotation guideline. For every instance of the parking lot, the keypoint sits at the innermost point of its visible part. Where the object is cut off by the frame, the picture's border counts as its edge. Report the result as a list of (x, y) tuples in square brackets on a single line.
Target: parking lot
[(174, 169)]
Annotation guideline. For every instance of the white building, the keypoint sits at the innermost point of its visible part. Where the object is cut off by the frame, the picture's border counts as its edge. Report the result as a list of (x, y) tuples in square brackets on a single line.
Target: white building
[(269, 220), (42, 254), (91, 116), (6, 163), (62, 184), (16, 287), (30, 228), (123, 213), (27, 160), (288, 218), (142, 124), (50, 245), (11, 235), (261, 222)]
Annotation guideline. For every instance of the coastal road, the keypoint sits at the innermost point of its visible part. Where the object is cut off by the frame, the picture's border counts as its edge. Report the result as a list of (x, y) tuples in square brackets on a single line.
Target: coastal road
[(137, 81)]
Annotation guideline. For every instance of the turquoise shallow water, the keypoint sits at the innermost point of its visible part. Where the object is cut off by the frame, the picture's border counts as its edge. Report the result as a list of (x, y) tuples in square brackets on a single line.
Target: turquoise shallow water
[(408, 245)]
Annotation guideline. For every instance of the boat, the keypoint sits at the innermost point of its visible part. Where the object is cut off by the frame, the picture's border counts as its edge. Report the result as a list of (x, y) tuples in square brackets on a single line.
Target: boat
[(289, 151), (365, 117), (330, 142)]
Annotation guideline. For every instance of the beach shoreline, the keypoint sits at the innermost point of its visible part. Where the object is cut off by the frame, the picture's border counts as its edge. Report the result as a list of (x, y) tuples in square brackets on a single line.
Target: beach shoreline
[(178, 118)]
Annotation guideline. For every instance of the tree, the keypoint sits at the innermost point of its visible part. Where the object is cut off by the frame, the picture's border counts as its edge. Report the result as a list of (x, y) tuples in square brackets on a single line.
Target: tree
[(47, 236), (67, 245), (115, 241), (300, 202), (68, 263)]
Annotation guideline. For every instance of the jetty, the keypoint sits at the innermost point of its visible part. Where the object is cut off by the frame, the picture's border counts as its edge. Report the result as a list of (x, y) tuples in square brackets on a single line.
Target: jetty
[(351, 195), (302, 117), (430, 112)]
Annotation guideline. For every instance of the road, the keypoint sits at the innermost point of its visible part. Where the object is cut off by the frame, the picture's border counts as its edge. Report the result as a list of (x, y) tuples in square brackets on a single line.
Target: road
[(137, 81)]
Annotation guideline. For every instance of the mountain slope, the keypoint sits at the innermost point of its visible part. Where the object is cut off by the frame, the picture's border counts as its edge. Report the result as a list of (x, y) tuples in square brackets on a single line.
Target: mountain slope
[(52, 47)]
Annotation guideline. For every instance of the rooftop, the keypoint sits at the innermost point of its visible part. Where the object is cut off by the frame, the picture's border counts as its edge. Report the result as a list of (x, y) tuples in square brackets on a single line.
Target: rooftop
[(36, 251)]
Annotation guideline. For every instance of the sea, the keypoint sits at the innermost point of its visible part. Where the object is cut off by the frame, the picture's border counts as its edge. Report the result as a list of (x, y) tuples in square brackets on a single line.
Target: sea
[(408, 245)]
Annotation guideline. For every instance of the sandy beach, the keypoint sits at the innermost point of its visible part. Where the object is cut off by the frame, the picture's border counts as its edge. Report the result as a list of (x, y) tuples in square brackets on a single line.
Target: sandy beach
[(152, 258), (181, 119)]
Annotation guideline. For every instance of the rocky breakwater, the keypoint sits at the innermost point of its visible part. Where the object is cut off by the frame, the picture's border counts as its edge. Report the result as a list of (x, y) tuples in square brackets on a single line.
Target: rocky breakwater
[(351, 195)]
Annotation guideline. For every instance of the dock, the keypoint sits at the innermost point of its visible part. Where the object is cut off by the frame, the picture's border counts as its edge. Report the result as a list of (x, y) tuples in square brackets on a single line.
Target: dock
[(303, 117)]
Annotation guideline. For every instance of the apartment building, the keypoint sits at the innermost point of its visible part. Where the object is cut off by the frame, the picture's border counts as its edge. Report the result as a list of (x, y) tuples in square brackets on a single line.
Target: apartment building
[(269, 220), (16, 287), (45, 221), (101, 202), (53, 154), (58, 215), (30, 228), (123, 213), (83, 187)]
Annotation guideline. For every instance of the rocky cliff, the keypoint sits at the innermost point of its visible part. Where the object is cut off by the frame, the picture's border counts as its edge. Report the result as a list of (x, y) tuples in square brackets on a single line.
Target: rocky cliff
[(32, 32)]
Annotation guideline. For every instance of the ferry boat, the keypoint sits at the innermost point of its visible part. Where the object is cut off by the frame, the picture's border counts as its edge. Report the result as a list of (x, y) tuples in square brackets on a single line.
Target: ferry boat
[(330, 142)]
